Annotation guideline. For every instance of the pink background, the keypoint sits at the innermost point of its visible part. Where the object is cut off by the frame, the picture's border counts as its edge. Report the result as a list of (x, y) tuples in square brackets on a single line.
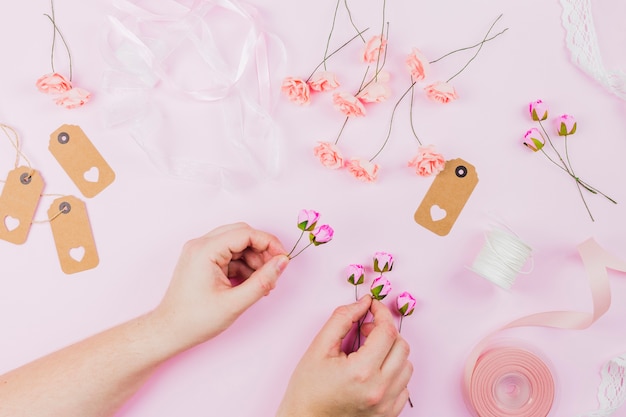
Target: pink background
[(141, 221)]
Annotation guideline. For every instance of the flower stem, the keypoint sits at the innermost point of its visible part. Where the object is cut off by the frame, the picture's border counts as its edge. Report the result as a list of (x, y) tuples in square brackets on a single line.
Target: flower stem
[(56, 29), (400, 324), (296, 244), (352, 21), (343, 126), (334, 52), (565, 166), (411, 114), (301, 250), (330, 34), (382, 32), (469, 47)]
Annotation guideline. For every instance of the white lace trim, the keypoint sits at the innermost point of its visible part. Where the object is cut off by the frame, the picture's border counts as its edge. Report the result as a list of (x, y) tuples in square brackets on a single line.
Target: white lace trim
[(583, 45), (612, 389)]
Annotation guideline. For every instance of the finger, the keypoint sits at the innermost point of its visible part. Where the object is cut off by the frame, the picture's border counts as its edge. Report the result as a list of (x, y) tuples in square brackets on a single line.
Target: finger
[(221, 247), (225, 228), (240, 270), (339, 324), (396, 359), (401, 401), (382, 336), (400, 378)]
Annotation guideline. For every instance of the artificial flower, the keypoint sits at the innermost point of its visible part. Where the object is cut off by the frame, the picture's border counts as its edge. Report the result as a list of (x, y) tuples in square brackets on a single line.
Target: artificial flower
[(363, 170), (538, 110), (348, 104), (381, 287), (405, 303), (296, 90), (566, 125), (383, 261), (53, 83), (329, 155), (76, 97), (375, 92), (356, 274), (374, 49), (307, 219), (427, 161), (322, 234), (533, 139), (441, 92), (417, 64), (323, 81)]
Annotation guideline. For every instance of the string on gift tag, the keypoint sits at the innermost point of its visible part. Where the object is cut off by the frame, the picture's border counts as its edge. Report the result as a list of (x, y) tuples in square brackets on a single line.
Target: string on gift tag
[(502, 258), (14, 138)]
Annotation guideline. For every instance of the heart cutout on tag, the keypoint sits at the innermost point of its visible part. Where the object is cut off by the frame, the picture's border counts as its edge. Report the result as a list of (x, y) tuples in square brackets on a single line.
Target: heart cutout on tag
[(11, 223), (93, 175), (77, 254), (437, 213)]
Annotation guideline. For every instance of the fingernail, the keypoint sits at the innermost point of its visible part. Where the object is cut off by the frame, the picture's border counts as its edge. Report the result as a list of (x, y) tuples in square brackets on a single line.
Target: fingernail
[(282, 263)]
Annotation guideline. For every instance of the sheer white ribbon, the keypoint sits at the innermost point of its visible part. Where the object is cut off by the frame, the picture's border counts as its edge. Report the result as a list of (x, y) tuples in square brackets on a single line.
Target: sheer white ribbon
[(612, 389)]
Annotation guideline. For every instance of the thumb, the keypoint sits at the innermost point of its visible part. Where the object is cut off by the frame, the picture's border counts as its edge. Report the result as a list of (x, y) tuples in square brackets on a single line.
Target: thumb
[(259, 283)]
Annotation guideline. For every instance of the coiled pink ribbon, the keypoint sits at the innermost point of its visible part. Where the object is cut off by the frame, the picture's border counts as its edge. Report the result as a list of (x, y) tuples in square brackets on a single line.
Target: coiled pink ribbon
[(514, 382)]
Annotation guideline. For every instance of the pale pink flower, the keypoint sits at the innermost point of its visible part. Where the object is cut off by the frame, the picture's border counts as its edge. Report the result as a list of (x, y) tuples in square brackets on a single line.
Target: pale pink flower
[(329, 155), (405, 304), (348, 104), (566, 125), (76, 97), (375, 92), (538, 110), (322, 234), (323, 81), (53, 83), (362, 170), (417, 64), (441, 92), (374, 48), (383, 261), (427, 162), (381, 287), (307, 219), (296, 90), (356, 274), (533, 139)]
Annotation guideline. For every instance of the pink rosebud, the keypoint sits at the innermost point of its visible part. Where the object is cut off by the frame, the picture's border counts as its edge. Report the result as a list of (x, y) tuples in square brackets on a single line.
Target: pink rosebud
[(356, 274), (538, 110), (417, 64), (374, 48), (329, 155), (533, 139), (380, 288), (76, 97), (362, 170), (375, 92), (441, 92), (427, 162), (307, 219), (406, 304), (348, 104), (323, 81), (383, 262), (322, 234), (566, 125), (53, 83), (296, 90)]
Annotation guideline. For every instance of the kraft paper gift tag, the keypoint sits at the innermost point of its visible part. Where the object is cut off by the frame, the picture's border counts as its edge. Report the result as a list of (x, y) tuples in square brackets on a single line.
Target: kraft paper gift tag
[(18, 203)]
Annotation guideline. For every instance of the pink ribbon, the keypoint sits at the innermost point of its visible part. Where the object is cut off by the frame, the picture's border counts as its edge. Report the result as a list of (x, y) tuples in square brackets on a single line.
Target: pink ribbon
[(514, 382)]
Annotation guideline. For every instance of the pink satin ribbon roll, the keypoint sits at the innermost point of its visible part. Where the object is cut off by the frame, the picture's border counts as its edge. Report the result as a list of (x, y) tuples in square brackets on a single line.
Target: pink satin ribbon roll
[(513, 382)]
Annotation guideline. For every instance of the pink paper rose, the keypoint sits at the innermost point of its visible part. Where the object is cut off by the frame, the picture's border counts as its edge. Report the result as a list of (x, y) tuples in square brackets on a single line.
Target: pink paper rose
[(356, 274), (323, 81), (441, 92), (383, 261), (374, 48), (417, 64), (53, 83), (538, 110), (329, 155), (427, 161), (76, 97), (296, 90), (566, 125), (348, 104), (405, 303), (307, 219), (533, 139), (362, 170), (322, 234), (381, 287), (375, 92)]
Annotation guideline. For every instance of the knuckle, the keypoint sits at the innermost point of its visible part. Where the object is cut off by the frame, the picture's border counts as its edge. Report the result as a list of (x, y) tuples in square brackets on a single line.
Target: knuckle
[(342, 312), (374, 397), (389, 330)]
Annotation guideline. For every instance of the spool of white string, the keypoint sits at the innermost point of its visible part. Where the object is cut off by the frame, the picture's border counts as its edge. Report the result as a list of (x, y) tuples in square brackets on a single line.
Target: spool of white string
[(502, 258)]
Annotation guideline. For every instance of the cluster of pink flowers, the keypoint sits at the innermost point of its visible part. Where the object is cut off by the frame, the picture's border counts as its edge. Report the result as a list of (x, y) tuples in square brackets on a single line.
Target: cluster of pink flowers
[(318, 235), (62, 90), (565, 126)]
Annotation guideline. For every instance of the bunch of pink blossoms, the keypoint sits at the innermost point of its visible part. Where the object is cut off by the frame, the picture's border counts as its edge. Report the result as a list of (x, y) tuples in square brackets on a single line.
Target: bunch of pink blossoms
[(318, 235)]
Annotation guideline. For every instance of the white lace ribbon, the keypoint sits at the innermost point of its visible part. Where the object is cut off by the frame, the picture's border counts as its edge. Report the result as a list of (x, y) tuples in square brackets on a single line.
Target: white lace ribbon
[(612, 389)]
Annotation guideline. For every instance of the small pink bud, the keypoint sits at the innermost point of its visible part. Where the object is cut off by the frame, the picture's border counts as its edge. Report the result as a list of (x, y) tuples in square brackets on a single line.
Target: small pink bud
[(356, 274), (533, 139), (538, 110), (406, 304), (566, 125), (380, 288), (322, 234), (383, 261), (307, 219)]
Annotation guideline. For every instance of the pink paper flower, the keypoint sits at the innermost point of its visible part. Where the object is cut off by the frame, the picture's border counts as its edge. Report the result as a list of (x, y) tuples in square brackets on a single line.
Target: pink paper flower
[(405, 303), (417, 64), (441, 92), (538, 110), (348, 104), (356, 274), (362, 170), (329, 155), (380, 288), (322, 234), (566, 125), (427, 161), (383, 261), (76, 97), (296, 90), (53, 83), (307, 219), (375, 92), (323, 81), (533, 139), (374, 48)]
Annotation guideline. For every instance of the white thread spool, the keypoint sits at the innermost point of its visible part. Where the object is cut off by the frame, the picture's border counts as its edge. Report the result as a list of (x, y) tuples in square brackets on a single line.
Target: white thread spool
[(501, 259)]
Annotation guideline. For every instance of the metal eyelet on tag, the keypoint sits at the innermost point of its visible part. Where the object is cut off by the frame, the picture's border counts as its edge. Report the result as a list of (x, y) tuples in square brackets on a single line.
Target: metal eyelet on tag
[(18, 203)]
